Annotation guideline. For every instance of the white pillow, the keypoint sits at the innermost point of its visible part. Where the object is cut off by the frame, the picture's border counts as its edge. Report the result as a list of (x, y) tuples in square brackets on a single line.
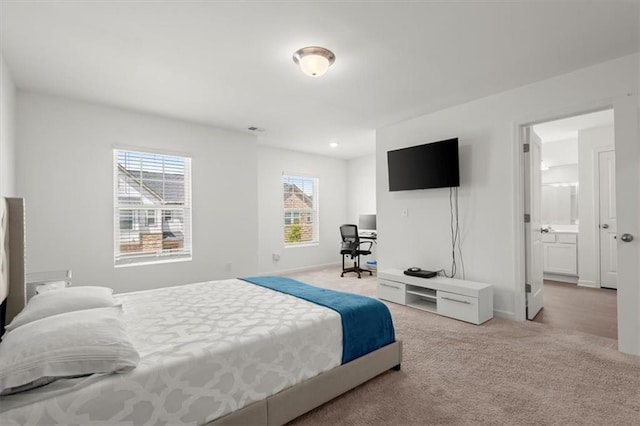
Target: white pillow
[(66, 345), (50, 286), (61, 301)]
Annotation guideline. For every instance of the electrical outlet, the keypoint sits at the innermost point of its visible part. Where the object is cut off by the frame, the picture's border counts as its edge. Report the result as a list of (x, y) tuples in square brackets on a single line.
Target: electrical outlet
[(405, 213), (228, 266), (275, 257)]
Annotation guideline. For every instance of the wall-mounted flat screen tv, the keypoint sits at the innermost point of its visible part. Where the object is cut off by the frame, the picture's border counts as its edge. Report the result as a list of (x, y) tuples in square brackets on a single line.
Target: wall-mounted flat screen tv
[(432, 165)]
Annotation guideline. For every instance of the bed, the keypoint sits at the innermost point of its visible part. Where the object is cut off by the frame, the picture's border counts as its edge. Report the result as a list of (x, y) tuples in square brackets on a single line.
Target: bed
[(201, 361)]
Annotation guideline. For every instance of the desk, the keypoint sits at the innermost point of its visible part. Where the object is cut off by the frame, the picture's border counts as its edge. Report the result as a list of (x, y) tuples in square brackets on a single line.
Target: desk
[(367, 236)]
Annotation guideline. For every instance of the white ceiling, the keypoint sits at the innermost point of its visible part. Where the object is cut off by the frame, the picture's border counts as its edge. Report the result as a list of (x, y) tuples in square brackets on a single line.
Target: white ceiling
[(228, 64)]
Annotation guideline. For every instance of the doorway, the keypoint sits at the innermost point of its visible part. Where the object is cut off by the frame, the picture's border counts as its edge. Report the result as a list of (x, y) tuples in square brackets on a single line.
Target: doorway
[(570, 237)]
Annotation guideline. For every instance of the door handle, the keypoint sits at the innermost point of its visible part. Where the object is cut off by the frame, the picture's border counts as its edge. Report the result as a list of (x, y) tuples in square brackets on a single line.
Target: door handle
[(390, 286), (544, 230), (627, 238), (456, 300), (604, 226)]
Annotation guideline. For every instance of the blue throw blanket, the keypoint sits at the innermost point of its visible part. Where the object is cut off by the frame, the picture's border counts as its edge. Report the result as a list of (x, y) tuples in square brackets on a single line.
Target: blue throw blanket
[(366, 322)]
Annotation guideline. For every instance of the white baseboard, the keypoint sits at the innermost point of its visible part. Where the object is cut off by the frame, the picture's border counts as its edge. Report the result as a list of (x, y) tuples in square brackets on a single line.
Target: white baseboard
[(303, 269), (504, 314), (562, 278), (588, 283)]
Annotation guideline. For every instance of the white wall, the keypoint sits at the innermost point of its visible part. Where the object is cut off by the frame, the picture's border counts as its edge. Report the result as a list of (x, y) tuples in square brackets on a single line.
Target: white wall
[(361, 193), (65, 173), (560, 152), (490, 192), (7, 132), (567, 173), (589, 141), (332, 175)]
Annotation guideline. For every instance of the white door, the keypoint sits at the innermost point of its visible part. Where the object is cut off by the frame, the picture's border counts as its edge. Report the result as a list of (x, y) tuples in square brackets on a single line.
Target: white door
[(533, 228), (608, 224), (628, 221)]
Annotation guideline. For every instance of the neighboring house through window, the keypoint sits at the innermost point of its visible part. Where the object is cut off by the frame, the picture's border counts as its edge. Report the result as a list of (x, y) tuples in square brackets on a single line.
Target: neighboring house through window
[(300, 198), (152, 207)]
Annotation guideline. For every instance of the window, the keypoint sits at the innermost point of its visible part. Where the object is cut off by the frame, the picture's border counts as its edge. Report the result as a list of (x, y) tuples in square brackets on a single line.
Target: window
[(152, 207), (126, 219), (151, 217), (291, 218), (300, 209)]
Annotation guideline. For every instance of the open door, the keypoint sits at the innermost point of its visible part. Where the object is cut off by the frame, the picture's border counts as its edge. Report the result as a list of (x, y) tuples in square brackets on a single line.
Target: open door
[(628, 222), (533, 230), (607, 216)]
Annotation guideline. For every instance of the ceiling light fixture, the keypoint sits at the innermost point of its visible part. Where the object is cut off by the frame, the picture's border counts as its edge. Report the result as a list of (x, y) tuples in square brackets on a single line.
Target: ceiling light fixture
[(314, 61), (333, 144)]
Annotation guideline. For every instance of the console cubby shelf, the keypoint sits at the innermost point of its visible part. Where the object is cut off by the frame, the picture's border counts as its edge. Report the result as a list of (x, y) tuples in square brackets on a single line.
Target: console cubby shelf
[(468, 301), (427, 293)]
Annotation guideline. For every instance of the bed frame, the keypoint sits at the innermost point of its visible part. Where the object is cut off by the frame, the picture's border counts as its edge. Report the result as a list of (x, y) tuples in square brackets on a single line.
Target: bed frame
[(277, 409), (290, 403), (12, 274)]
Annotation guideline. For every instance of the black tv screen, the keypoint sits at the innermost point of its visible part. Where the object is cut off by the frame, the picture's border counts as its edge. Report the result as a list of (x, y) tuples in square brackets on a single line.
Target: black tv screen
[(432, 165)]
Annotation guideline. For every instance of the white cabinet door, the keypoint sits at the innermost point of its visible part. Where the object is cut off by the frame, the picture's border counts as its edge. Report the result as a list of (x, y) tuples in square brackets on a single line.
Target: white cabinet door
[(560, 259), (457, 306), (392, 291)]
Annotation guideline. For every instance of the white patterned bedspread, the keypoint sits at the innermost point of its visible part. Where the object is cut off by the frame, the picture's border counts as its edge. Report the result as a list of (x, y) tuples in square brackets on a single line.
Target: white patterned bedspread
[(206, 350)]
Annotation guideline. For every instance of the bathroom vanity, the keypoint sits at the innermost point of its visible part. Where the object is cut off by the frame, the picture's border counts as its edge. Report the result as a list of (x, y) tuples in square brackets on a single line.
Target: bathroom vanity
[(560, 256)]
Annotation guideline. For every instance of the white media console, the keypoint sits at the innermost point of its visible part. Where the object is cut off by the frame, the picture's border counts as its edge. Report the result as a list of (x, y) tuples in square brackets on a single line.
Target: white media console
[(460, 299)]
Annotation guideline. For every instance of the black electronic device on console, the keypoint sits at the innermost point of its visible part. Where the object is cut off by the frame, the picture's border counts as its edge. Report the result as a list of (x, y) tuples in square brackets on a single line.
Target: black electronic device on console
[(418, 272)]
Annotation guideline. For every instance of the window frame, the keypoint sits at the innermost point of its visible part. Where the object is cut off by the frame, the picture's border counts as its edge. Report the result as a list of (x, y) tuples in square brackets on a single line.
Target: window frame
[(301, 216), (142, 211), (151, 220)]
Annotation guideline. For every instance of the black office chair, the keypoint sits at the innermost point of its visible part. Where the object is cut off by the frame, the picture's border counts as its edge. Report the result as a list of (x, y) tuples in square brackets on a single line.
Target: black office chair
[(351, 247)]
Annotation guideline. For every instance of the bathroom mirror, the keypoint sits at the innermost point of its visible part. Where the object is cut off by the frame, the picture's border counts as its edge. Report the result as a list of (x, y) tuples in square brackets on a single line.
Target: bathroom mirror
[(559, 203)]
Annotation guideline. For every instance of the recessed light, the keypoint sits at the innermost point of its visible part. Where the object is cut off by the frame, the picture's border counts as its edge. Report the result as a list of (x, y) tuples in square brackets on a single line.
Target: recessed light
[(333, 144)]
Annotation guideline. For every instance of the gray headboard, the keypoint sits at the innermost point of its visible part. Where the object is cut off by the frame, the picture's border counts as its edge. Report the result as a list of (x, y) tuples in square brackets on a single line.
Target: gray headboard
[(12, 250)]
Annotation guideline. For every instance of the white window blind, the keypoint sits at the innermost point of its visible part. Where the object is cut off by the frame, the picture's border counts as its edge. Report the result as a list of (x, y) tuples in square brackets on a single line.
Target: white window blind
[(152, 207), (300, 199)]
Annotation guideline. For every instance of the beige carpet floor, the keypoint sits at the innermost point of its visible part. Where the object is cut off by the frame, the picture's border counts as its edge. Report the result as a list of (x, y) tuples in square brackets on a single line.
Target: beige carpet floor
[(500, 373)]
